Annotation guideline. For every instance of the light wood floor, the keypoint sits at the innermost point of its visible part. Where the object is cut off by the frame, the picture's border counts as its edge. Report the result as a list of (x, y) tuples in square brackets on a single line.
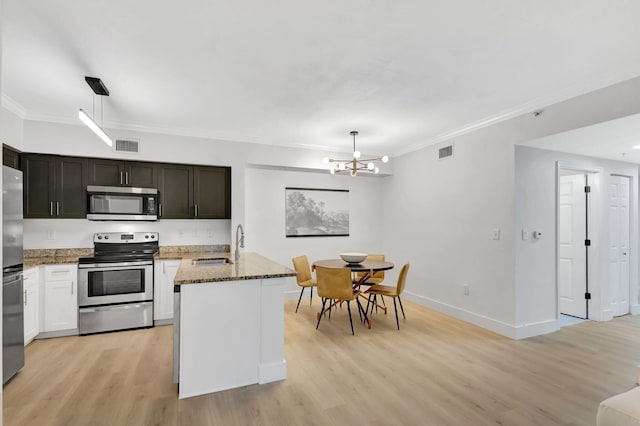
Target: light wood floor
[(434, 371)]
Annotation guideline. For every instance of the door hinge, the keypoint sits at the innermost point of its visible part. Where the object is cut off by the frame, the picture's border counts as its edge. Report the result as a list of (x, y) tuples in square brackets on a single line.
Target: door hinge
[(587, 242), (587, 296), (587, 188)]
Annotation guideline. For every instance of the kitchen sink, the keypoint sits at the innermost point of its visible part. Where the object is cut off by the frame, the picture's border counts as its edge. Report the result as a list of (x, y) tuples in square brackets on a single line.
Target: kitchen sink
[(212, 261)]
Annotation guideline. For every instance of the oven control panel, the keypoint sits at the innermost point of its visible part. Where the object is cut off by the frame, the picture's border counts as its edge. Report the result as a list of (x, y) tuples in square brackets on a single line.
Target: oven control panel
[(125, 237)]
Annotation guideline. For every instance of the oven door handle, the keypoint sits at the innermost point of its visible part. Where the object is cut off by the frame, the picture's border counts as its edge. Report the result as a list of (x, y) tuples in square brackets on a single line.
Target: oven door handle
[(106, 266)]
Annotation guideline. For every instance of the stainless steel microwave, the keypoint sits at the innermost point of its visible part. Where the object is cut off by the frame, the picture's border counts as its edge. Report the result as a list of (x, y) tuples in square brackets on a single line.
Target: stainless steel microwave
[(121, 203)]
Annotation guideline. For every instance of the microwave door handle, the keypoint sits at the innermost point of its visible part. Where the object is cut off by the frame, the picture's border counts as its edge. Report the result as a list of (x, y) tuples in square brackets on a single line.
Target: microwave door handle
[(126, 178), (121, 174), (159, 209)]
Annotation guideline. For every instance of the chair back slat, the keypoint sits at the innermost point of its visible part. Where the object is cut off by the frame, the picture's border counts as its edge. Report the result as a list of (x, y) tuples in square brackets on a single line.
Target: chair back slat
[(303, 271), (402, 278), (334, 283), (377, 274)]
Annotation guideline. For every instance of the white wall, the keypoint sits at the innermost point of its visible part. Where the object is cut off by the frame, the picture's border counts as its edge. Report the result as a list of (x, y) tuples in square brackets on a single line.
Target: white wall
[(536, 198), (440, 214), (265, 217), (12, 128)]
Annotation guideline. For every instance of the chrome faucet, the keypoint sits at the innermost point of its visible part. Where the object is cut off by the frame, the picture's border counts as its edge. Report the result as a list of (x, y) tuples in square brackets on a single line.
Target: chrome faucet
[(239, 241)]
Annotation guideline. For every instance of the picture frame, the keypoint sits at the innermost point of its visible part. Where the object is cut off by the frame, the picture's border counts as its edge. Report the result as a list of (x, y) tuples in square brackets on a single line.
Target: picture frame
[(314, 212)]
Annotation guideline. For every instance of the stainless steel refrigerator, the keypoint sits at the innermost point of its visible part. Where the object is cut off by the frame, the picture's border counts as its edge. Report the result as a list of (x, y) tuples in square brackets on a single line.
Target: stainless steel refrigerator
[(12, 291)]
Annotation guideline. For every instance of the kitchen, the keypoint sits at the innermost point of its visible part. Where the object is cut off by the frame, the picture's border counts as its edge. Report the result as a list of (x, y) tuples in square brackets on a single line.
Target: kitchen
[(269, 115)]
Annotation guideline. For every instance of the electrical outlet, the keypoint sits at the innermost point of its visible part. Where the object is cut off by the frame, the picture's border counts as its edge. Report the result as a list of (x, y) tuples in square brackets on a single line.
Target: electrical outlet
[(496, 233), (465, 289), (51, 234), (195, 233), (210, 233), (181, 232)]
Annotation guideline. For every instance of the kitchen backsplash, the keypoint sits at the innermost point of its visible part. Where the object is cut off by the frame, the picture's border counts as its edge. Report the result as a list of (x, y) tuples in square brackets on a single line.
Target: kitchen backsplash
[(75, 233)]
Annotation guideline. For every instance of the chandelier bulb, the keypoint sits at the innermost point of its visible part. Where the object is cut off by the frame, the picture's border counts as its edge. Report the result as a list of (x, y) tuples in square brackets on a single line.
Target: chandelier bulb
[(385, 159), (342, 166), (354, 172), (332, 171), (371, 166), (376, 170), (356, 154), (325, 160)]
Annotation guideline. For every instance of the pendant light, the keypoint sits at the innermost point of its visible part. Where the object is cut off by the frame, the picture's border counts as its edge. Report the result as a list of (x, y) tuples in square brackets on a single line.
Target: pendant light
[(356, 164), (100, 89)]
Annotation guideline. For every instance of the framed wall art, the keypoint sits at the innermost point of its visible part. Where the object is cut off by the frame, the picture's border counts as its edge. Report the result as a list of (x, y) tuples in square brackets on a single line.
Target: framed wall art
[(317, 212)]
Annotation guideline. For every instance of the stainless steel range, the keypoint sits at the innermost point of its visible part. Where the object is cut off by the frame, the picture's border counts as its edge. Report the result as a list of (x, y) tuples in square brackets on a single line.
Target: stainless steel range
[(115, 286)]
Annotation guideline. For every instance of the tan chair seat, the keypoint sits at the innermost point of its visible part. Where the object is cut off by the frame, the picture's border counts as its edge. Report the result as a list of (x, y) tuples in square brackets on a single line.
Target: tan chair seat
[(308, 283), (384, 290)]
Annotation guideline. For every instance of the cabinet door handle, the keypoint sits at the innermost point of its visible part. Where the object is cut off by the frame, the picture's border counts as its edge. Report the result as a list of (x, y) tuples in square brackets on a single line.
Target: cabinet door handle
[(25, 298), (160, 210), (51, 208), (196, 210), (126, 178), (57, 208), (72, 289), (121, 180)]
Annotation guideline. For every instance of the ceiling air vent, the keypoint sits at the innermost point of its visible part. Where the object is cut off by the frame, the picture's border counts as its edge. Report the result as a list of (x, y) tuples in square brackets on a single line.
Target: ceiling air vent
[(445, 152), (126, 146)]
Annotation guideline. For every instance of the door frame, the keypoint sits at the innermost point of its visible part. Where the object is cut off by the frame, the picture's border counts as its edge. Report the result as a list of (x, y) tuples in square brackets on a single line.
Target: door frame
[(594, 310)]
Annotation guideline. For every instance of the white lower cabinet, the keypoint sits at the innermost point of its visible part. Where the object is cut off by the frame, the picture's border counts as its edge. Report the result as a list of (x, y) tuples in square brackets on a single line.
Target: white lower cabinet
[(164, 274), (31, 286), (60, 297)]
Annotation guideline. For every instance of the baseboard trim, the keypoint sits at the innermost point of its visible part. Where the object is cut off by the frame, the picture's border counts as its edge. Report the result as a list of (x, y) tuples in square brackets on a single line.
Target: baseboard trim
[(514, 332), (272, 372), (635, 309), (59, 333), (168, 321)]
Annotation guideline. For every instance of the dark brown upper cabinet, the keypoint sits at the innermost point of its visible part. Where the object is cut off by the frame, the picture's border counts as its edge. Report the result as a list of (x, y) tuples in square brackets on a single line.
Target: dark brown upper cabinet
[(176, 191), (122, 173), (10, 157), (212, 192), (194, 192), (54, 186)]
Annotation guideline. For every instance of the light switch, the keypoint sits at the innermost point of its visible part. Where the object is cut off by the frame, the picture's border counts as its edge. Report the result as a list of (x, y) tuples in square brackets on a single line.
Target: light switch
[(496, 234), (525, 234), (51, 234)]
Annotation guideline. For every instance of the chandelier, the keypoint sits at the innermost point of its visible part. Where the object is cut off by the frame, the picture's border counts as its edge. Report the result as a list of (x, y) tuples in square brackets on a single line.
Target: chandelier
[(356, 164)]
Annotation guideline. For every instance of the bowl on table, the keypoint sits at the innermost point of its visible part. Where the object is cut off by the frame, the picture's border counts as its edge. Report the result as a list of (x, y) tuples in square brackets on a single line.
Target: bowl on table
[(353, 257)]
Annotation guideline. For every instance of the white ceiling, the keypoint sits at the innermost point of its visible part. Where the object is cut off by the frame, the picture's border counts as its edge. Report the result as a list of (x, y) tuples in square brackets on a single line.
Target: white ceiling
[(303, 73), (613, 139)]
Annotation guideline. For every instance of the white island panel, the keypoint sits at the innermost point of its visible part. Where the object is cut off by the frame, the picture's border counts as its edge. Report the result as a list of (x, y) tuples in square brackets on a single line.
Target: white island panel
[(273, 366), (220, 336)]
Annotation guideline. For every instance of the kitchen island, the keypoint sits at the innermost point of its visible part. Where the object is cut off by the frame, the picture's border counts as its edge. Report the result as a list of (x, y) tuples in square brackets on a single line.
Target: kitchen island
[(228, 322)]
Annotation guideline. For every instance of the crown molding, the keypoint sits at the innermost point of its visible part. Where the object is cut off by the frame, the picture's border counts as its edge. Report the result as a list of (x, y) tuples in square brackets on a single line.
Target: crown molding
[(13, 106), (526, 108)]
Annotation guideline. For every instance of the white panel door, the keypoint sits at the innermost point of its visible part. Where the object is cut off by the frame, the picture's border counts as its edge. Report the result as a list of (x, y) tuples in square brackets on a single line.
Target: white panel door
[(571, 251), (619, 244)]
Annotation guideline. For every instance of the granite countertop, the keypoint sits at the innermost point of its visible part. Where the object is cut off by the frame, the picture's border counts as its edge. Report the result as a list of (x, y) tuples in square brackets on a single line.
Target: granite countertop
[(184, 252), (34, 258), (250, 266)]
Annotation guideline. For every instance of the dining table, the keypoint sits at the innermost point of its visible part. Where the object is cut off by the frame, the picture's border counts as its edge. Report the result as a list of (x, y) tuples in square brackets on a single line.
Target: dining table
[(367, 266)]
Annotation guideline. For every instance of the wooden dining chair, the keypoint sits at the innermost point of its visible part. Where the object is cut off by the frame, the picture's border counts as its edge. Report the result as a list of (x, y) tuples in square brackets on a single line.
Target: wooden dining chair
[(303, 277), (335, 284), (394, 292)]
